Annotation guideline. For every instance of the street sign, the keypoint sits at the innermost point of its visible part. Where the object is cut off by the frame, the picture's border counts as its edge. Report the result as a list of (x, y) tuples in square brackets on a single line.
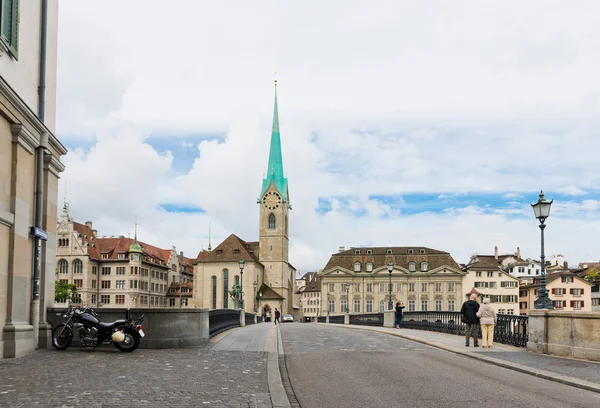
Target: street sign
[(38, 232)]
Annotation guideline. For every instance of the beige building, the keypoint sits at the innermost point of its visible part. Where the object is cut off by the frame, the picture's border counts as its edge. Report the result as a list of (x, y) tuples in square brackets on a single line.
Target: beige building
[(310, 296), (567, 291), (486, 277), (424, 279), (29, 170), (268, 277), (117, 272)]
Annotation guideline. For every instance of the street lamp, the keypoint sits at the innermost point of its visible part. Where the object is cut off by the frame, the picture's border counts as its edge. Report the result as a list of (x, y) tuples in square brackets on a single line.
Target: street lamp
[(347, 298), (390, 267), (541, 209), (254, 286), (327, 303), (242, 262)]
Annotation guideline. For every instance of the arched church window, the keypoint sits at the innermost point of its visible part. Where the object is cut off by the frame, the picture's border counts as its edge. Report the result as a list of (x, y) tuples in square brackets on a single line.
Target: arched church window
[(213, 281), (77, 266), (272, 223), (225, 288), (63, 266)]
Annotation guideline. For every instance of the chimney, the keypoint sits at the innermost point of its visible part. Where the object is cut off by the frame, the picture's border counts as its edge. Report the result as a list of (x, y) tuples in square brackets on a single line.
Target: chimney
[(518, 252), (342, 249), (565, 265), (95, 233), (88, 224), (496, 252)]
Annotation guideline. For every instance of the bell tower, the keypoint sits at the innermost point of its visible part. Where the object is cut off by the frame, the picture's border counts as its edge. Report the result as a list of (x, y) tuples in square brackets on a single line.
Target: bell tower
[(274, 204)]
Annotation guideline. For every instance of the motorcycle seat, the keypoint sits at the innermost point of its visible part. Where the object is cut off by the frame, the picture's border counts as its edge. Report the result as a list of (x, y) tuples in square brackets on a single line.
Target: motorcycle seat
[(110, 326)]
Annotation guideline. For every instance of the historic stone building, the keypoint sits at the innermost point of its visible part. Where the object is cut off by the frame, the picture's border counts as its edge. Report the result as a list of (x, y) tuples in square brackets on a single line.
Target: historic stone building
[(30, 165), (268, 277), (423, 279), (119, 271)]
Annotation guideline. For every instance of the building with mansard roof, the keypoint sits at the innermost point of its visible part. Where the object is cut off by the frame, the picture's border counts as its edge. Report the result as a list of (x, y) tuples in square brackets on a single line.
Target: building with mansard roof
[(423, 279), (267, 279), (119, 271)]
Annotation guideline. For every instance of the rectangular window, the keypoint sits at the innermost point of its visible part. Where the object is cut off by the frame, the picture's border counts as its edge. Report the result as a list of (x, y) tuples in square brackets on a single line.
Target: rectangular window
[(576, 292), (478, 274), (120, 299), (106, 270), (451, 286), (438, 287), (369, 287), (438, 305), (398, 286), (120, 284), (357, 287), (451, 305), (172, 302), (509, 284), (94, 270), (411, 286), (424, 287), (93, 299), (120, 270), (490, 274), (344, 306), (105, 284), (121, 256), (381, 306), (481, 284), (382, 287), (357, 306), (78, 283), (332, 287), (423, 305), (104, 256), (369, 306), (94, 284), (184, 302), (596, 302), (105, 299), (77, 298), (331, 306), (411, 306), (493, 285), (510, 312)]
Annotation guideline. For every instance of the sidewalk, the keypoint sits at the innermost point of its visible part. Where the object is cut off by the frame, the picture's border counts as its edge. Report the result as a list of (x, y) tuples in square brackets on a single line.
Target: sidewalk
[(577, 373)]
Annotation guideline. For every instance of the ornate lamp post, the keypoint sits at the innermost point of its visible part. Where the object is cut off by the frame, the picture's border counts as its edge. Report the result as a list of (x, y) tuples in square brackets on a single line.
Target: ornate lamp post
[(541, 209), (327, 303), (390, 267), (254, 286), (347, 298), (242, 262)]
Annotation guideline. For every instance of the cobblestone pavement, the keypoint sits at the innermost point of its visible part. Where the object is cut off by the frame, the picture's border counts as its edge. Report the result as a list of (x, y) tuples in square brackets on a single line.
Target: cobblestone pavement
[(191, 377)]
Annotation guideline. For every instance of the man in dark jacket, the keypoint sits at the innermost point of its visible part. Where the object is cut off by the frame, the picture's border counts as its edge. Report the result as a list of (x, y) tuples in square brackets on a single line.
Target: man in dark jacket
[(468, 313)]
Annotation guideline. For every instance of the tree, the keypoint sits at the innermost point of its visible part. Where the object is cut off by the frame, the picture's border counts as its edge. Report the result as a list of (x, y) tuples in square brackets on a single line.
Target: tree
[(592, 275), (63, 291)]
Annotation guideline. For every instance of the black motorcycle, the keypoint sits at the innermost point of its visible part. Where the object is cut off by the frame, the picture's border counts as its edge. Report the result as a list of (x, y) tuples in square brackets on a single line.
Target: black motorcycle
[(125, 334)]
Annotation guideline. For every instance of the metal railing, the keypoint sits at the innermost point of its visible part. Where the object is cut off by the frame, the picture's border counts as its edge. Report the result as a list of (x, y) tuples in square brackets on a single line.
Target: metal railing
[(322, 319), (220, 320), (367, 319), (339, 319), (249, 317)]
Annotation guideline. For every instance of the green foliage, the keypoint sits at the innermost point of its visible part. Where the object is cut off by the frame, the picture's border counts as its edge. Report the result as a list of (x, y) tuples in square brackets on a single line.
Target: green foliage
[(234, 293), (592, 275), (63, 291)]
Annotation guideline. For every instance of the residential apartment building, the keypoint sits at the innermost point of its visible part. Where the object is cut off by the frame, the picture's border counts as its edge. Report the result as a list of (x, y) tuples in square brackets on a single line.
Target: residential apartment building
[(486, 278), (424, 279), (30, 166), (567, 291), (310, 296), (114, 272)]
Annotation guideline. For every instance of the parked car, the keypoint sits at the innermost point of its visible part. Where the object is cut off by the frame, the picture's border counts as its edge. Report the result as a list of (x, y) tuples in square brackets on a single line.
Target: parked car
[(287, 318)]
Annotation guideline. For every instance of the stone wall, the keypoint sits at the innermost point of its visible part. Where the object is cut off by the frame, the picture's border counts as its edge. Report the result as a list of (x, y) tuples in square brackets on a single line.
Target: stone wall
[(163, 328), (565, 334)]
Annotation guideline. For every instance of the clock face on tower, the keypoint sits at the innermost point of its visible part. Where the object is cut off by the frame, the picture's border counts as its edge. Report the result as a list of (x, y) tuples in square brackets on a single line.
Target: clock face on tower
[(271, 200)]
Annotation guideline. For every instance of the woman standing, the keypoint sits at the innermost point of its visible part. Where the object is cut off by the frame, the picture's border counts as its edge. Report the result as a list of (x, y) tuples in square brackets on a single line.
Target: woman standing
[(487, 319), (399, 307)]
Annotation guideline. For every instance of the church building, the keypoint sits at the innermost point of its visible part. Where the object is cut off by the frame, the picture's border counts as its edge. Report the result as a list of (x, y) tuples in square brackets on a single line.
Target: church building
[(262, 267)]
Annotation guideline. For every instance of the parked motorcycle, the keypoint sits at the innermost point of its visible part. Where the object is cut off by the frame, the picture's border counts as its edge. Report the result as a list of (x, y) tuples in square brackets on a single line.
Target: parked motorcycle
[(125, 334)]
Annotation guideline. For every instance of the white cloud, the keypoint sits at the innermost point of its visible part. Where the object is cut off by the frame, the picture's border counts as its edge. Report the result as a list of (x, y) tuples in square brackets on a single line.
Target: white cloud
[(397, 99)]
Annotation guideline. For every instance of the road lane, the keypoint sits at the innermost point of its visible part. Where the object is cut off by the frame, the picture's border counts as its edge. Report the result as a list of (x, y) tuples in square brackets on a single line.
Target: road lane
[(331, 366)]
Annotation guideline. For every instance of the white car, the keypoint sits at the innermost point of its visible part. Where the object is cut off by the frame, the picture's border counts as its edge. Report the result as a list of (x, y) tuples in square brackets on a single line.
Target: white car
[(287, 318)]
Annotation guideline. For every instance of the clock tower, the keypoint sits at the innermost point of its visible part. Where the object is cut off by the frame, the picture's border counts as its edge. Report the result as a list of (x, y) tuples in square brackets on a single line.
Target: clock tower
[(274, 204)]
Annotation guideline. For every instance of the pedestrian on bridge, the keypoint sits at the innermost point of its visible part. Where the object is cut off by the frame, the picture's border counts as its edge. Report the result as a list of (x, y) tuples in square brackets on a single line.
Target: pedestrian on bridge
[(468, 313), (487, 318), (399, 307), (277, 316)]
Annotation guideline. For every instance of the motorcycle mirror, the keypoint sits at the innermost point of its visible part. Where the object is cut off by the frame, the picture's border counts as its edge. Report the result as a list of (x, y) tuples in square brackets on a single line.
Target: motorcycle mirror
[(127, 313)]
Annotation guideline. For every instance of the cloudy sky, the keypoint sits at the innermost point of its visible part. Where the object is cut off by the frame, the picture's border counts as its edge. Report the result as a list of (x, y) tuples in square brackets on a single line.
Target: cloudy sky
[(422, 123)]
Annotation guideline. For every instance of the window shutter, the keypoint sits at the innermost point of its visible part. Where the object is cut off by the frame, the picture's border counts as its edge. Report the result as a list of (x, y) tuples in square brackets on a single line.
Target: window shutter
[(581, 291), (553, 291), (571, 291), (572, 303), (582, 304), (9, 25), (562, 279)]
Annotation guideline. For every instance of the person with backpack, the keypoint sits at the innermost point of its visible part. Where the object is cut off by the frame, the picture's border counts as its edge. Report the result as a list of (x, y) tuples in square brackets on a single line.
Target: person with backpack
[(468, 313)]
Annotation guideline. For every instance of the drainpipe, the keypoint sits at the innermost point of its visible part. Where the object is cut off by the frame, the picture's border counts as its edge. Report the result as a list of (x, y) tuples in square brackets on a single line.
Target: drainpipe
[(39, 195)]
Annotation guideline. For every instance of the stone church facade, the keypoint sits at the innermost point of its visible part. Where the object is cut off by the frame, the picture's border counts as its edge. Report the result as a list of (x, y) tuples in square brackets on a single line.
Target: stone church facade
[(267, 279)]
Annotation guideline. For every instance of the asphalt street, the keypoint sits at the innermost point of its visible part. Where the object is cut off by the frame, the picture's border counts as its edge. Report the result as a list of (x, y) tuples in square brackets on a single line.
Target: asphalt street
[(335, 367)]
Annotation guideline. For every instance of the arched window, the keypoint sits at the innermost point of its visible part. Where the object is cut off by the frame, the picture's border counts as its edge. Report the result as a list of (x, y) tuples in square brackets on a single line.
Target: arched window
[(272, 223), (388, 251), (237, 279), (225, 288), (369, 266), (63, 266), (412, 266), (356, 266), (213, 281), (424, 266), (421, 251), (77, 266)]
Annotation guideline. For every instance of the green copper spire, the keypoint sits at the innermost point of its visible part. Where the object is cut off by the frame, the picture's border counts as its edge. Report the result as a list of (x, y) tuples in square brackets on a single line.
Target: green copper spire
[(135, 245), (275, 167)]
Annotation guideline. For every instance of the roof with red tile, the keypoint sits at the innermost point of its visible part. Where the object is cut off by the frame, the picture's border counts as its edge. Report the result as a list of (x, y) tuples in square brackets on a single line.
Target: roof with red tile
[(232, 249)]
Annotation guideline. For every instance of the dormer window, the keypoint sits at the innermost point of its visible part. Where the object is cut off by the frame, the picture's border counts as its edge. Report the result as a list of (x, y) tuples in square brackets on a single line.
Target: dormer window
[(424, 266), (357, 251), (104, 256), (121, 256), (356, 266), (388, 251), (412, 266), (369, 251), (236, 251), (369, 266), (421, 251), (410, 251)]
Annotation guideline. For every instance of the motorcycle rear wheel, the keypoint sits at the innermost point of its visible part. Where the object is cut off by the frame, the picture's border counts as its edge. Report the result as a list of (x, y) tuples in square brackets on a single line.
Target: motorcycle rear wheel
[(62, 337), (131, 342)]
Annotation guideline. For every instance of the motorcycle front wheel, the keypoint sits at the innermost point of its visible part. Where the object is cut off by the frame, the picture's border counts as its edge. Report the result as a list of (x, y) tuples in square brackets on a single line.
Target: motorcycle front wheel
[(130, 343), (62, 337)]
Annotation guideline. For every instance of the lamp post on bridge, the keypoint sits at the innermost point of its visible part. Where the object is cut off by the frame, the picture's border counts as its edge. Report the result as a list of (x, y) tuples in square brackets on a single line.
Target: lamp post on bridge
[(327, 303), (347, 298), (541, 209), (390, 267), (242, 262), (254, 286)]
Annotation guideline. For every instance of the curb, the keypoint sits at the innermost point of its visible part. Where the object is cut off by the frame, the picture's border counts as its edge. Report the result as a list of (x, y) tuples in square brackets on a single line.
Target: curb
[(547, 375), (279, 398)]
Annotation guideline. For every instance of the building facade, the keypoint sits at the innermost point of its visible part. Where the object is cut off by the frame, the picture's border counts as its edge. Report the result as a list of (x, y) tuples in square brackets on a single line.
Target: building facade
[(310, 296), (30, 166), (567, 291), (267, 279), (423, 279)]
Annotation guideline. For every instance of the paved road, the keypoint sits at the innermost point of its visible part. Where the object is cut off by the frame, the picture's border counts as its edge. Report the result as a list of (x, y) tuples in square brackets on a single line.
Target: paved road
[(105, 377), (337, 367)]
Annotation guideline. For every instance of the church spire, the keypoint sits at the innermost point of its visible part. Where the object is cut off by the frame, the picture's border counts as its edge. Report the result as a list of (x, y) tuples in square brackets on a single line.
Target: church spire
[(135, 245), (209, 247), (275, 172)]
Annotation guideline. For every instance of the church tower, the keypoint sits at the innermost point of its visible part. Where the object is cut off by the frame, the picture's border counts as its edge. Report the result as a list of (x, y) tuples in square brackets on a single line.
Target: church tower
[(274, 204)]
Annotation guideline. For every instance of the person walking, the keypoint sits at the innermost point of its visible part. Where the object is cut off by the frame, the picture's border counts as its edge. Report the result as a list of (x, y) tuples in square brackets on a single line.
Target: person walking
[(277, 316), (399, 307), (468, 313), (487, 319)]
